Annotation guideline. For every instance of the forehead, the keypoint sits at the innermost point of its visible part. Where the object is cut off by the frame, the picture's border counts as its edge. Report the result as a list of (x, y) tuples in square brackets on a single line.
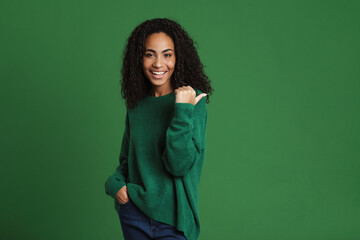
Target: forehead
[(159, 41)]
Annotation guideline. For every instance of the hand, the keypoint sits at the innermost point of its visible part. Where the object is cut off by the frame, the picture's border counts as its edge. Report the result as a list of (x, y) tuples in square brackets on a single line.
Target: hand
[(187, 94), (122, 196)]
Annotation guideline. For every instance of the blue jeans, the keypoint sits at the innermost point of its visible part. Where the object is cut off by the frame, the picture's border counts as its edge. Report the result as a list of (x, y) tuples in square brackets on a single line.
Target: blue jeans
[(137, 226)]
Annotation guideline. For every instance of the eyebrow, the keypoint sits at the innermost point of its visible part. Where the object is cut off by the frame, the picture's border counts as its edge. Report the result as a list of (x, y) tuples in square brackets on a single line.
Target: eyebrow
[(151, 50)]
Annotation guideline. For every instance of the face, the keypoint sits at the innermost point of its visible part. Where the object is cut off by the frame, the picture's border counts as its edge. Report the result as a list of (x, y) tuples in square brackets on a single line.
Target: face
[(159, 60)]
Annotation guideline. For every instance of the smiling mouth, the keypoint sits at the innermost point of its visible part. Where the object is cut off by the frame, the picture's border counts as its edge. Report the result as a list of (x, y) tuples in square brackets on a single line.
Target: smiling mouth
[(158, 75)]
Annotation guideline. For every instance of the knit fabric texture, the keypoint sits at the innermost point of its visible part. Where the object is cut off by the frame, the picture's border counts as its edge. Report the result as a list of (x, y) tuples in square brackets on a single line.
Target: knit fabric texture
[(161, 159)]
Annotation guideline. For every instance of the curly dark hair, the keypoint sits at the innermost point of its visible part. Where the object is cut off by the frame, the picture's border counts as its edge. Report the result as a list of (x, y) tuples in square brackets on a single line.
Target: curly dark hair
[(188, 69)]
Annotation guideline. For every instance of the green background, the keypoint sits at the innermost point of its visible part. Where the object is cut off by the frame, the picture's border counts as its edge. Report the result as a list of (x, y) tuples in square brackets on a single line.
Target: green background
[(282, 159)]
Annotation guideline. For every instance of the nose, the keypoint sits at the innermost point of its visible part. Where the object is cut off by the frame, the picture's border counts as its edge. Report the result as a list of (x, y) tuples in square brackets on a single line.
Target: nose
[(157, 62)]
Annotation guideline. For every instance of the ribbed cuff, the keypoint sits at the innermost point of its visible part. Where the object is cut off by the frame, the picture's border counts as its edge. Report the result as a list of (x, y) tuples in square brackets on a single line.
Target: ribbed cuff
[(184, 111), (113, 187)]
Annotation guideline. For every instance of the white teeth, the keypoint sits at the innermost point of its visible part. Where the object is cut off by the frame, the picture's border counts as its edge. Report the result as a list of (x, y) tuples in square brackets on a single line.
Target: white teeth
[(158, 73)]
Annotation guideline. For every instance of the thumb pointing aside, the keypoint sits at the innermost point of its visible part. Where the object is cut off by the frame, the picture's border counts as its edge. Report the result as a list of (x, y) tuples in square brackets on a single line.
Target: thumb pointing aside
[(199, 97)]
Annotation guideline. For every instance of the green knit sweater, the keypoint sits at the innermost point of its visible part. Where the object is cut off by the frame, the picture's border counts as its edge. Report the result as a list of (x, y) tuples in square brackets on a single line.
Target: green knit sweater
[(161, 159)]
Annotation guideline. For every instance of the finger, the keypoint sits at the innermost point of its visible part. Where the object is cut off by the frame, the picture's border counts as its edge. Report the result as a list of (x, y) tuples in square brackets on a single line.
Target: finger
[(199, 97), (123, 199)]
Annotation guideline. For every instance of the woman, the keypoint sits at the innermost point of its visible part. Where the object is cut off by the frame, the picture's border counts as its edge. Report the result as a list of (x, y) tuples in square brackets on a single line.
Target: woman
[(155, 185)]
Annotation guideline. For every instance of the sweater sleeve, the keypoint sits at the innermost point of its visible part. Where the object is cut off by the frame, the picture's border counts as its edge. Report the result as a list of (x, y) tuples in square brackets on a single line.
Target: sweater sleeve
[(185, 137), (118, 179)]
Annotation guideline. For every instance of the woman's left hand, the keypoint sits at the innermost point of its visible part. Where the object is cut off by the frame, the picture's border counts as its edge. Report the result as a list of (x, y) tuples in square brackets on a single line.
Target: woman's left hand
[(187, 94)]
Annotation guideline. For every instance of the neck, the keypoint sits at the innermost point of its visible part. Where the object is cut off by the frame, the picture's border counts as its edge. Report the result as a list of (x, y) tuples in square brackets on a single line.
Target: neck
[(157, 92)]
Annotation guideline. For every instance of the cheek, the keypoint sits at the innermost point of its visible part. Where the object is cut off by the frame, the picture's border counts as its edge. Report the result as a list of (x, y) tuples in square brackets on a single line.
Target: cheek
[(172, 64), (145, 64)]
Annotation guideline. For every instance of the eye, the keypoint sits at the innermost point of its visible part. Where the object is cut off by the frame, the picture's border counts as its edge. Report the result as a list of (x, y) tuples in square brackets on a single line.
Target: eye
[(148, 54), (167, 55)]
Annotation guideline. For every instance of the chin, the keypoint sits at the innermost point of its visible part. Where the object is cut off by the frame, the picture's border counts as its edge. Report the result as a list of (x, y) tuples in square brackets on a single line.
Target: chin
[(159, 82)]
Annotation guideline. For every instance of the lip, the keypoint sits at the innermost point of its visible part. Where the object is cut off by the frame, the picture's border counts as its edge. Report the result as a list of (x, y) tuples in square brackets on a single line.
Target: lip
[(158, 76)]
